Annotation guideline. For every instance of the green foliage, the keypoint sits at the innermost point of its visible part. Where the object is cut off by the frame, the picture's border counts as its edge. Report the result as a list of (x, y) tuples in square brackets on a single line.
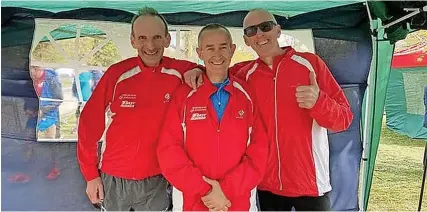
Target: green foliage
[(189, 43), (68, 123), (240, 55), (107, 55), (104, 57), (46, 52)]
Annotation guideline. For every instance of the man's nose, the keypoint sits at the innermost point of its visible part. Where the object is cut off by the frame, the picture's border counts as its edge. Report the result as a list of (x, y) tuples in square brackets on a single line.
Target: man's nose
[(149, 44), (217, 52), (259, 33), (217, 55)]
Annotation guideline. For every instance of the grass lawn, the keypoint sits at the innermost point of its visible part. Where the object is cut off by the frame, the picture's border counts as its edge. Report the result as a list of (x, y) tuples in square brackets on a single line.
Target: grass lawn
[(398, 173), (66, 82), (68, 122)]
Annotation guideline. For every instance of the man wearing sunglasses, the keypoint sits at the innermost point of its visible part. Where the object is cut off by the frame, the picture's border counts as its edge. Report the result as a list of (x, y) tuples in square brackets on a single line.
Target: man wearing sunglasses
[(298, 99), (134, 93)]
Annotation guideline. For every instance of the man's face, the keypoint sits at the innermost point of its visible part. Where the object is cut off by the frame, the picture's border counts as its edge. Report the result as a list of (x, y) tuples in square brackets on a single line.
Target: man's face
[(36, 72), (261, 33), (150, 39), (216, 50)]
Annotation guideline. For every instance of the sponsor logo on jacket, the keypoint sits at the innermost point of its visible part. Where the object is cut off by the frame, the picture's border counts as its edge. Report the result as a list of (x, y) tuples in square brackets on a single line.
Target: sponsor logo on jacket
[(127, 96), (198, 109), (198, 116), (127, 104)]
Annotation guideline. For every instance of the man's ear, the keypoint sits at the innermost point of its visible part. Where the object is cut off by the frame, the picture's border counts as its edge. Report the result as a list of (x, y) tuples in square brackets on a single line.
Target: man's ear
[(168, 40), (233, 48), (279, 30), (246, 40), (132, 42), (199, 52)]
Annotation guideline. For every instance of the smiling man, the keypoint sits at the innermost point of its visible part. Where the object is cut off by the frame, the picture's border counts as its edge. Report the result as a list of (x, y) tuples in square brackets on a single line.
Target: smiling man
[(135, 94), (213, 146), (299, 100)]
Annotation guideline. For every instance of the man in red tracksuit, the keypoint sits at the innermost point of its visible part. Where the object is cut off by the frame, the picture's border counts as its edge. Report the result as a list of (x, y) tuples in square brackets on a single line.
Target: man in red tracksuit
[(299, 100), (134, 93), (213, 146)]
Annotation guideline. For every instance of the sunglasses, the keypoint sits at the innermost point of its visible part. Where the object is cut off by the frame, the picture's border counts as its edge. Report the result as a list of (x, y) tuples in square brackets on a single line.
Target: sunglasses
[(264, 27)]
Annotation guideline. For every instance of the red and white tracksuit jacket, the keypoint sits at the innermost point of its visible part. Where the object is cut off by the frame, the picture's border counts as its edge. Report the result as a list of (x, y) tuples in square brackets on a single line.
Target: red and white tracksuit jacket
[(194, 144), (135, 97), (298, 163)]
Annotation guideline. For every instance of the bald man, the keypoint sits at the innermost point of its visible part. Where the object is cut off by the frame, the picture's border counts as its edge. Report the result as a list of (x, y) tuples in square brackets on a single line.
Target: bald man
[(299, 100)]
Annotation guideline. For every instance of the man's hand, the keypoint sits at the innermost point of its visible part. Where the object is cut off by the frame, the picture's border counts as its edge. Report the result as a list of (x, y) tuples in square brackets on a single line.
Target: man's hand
[(307, 95), (216, 199), (193, 78), (95, 190)]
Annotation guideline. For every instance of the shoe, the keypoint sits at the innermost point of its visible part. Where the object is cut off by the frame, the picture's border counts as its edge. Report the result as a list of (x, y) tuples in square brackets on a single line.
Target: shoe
[(53, 174), (19, 178)]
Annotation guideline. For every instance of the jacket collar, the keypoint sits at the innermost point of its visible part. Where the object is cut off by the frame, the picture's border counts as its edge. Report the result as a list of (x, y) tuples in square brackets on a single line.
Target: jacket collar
[(289, 51), (210, 88)]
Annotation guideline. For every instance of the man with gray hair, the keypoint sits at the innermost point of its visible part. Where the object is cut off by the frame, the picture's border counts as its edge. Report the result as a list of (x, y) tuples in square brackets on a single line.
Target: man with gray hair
[(135, 94), (213, 146)]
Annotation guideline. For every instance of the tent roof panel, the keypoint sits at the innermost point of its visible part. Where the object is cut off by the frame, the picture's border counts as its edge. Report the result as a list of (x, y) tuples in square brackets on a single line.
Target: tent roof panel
[(284, 8)]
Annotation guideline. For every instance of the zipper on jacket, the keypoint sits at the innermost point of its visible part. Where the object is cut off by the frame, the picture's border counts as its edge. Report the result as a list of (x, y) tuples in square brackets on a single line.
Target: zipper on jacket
[(217, 123), (277, 126), (217, 148)]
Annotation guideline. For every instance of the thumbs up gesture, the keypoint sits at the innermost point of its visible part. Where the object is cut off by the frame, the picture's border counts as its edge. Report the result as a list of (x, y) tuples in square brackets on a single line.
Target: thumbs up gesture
[(307, 95)]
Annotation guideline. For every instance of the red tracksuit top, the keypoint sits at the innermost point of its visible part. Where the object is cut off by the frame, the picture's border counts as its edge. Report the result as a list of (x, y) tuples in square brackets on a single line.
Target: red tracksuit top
[(298, 163), (135, 97), (194, 144)]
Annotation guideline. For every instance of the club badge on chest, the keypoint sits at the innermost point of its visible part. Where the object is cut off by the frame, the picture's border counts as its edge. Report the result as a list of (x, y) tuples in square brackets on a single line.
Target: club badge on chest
[(240, 114), (167, 98)]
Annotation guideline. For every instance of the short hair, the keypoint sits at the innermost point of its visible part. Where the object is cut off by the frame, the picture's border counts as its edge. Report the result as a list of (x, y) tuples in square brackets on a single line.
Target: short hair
[(149, 11), (211, 27)]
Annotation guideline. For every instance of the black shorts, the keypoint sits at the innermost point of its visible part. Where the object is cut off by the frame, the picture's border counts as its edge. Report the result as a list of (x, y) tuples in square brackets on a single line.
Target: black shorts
[(272, 202)]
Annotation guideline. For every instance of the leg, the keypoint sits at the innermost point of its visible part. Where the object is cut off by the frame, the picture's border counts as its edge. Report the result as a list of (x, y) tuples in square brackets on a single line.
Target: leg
[(151, 194), (49, 133), (58, 129), (54, 157), (27, 159), (321, 203), (116, 193), (272, 202), (23, 177), (75, 130)]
